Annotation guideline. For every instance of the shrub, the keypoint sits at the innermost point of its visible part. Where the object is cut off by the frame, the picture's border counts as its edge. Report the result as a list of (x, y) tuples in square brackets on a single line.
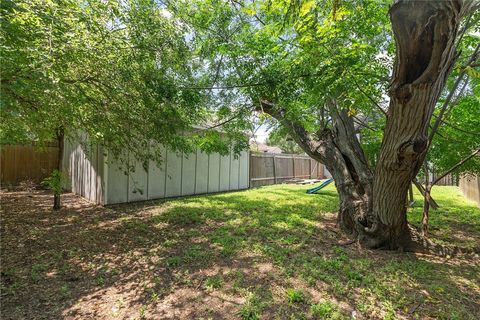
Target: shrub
[(54, 182)]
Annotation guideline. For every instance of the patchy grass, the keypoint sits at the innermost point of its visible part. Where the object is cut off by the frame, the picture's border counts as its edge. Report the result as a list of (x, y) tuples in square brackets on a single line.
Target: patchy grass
[(324, 310), (295, 296), (457, 221), (268, 253)]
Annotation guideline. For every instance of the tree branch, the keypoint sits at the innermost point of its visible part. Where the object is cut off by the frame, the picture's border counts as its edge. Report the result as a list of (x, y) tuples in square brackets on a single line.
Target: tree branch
[(446, 103), (460, 163), (363, 124), (244, 85), (298, 132), (228, 120), (370, 98), (217, 73), (459, 129)]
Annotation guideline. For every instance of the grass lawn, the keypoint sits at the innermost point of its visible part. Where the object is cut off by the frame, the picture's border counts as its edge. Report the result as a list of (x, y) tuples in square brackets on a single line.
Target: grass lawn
[(269, 253)]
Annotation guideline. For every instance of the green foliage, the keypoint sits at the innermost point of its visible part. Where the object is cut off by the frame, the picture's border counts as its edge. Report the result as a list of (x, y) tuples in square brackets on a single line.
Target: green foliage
[(300, 54), (107, 70), (100, 281), (278, 137), (54, 182), (128, 74), (323, 310), (142, 312), (458, 135), (214, 282), (173, 261), (252, 307), (296, 54), (37, 270), (65, 291), (295, 295)]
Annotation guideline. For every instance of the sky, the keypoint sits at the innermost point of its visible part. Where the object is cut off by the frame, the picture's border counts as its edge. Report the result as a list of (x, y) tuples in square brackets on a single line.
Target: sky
[(261, 134)]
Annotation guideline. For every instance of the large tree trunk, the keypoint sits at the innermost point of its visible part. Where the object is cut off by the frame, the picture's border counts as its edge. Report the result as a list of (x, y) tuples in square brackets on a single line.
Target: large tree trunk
[(425, 33), (339, 150), (372, 206)]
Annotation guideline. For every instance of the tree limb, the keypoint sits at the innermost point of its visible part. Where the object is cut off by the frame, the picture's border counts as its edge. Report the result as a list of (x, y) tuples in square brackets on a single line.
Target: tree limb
[(446, 103), (460, 163), (370, 98), (420, 188), (239, 113)]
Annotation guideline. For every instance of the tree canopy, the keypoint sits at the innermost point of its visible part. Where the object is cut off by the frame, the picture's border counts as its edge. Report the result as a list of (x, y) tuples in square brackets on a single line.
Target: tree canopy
[(278, 137), (111, 70), (139, 71), (297, 54), (300, 54)]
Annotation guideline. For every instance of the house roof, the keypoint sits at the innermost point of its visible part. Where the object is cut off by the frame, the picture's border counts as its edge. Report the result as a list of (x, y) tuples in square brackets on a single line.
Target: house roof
[(261, 147)]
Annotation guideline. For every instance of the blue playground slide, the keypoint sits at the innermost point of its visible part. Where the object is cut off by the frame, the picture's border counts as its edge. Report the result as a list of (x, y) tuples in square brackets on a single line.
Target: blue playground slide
[(323, 185)]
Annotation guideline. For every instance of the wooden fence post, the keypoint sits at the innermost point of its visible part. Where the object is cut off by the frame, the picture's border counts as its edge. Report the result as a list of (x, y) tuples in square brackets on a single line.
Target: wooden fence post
[(274, 170), (310, 168), (294, 174)]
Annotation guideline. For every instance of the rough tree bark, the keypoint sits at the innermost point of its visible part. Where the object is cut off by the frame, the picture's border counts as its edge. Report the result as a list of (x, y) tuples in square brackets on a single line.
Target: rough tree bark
[(339, 150), (426, 203), (372, 204)]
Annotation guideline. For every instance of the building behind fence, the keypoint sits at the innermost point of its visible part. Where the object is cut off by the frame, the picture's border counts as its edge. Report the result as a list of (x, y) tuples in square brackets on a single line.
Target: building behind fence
[(272, 168), (30, 162), (470, 186)]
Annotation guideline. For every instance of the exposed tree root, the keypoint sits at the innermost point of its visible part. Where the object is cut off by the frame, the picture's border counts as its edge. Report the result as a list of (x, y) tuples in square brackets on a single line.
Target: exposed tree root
[(347, 243), (411, 241), (421, 244)]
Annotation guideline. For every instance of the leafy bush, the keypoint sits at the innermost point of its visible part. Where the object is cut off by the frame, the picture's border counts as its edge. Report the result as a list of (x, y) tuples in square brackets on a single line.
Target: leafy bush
[(54, 182)]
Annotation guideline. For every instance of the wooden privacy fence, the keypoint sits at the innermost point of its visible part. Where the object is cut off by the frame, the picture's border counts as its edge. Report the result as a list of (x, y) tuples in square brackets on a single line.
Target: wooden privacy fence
[(448, 180), (470, 186), (27, 162), (273, 168)]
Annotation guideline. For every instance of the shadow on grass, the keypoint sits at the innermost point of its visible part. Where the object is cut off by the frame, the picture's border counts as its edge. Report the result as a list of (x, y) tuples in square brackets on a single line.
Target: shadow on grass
[(219, 256), (456, 221)]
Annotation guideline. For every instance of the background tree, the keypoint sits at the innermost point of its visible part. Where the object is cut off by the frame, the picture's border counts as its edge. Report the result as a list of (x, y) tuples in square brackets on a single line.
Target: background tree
[(103, 72), (458, 134), (277, 137)]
